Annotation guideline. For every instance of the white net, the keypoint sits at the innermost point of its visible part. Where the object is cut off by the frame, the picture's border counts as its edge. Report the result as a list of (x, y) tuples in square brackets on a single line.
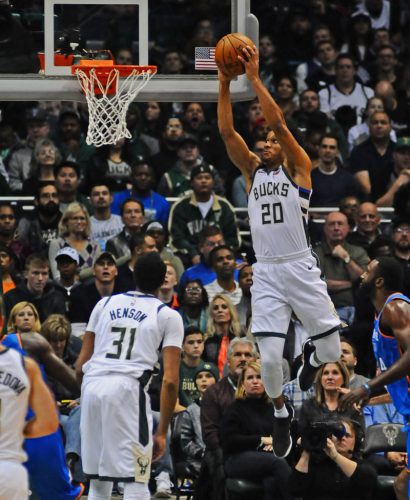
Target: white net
[(107, 111)]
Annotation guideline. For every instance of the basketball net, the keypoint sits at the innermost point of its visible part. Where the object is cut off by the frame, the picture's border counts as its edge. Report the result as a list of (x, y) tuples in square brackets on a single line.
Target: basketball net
[(108, 98)]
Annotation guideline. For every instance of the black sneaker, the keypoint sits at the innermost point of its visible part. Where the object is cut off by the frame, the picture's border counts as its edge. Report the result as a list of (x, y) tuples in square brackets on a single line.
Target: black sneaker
[(307, 372), (281, 438)]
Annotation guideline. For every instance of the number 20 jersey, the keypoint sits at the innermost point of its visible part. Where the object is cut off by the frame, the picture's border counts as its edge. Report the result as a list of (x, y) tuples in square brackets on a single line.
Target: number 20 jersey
[(278, 212), (129, 329)]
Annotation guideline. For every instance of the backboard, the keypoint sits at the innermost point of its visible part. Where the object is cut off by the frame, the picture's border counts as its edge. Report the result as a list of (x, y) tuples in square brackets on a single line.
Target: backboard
[(157, 32)]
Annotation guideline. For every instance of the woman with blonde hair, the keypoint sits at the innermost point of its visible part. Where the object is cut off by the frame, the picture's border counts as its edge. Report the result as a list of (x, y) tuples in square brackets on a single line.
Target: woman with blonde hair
[(24, 318), (223, 326), (332, 381), (74, 231), (246, 433)]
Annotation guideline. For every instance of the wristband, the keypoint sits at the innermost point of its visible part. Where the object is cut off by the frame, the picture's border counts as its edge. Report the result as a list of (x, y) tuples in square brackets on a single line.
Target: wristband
[(366, 386)]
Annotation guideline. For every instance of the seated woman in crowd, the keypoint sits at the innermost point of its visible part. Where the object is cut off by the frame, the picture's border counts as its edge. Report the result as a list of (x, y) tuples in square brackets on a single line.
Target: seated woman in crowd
[(246, 437), (24, 318), (191, 433), (223, 326), (336, 473), (45, 157), (193, 300), (74, 231), (332, 381)]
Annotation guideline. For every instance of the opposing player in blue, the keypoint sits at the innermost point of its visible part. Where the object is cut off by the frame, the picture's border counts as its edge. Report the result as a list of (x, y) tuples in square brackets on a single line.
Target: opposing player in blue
[(286, 277), (391, 343)]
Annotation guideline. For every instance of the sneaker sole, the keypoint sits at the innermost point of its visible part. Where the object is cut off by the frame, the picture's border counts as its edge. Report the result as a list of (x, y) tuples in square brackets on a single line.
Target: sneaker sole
[(287, 451)]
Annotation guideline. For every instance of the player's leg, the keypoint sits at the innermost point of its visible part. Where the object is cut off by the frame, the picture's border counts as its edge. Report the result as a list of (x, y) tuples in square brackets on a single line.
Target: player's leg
[(310, 301), (270, 322), (136, 491), (13, 481), (100, 490)]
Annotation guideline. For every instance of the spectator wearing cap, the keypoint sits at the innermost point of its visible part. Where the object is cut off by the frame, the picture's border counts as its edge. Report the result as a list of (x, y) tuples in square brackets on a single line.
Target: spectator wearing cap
[(40, 225), (202, 208), (401, 171), (142, 178), (45, 295), (346, 91), (85, 296), (401, 247), (20, 160), (74, 231), (132, 216), (68, 262), (176, 182), (139, 245), (104, 224), (191, 433), (67, 175), (167, 292), (160, 235), (70, 139), (371, 162)]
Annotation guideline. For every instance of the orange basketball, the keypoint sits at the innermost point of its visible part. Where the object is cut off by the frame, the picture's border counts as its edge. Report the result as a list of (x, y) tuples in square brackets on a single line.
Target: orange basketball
[(227, 50)]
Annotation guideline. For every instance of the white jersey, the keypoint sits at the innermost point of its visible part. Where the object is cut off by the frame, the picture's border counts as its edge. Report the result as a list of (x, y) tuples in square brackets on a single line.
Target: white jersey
[(331, 99), (14, 394), (129, 330), (278, 211)]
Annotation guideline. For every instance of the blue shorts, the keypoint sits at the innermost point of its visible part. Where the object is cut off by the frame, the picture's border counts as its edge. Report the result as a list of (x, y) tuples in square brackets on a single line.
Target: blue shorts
[(47, 468)]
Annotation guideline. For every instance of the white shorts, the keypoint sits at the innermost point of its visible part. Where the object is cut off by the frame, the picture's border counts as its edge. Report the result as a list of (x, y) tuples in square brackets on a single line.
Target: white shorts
[(116, 429), (13, 481), (295, 285)]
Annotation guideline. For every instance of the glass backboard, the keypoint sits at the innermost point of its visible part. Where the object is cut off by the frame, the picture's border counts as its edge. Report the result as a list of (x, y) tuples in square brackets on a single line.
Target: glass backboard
[(161, 32)]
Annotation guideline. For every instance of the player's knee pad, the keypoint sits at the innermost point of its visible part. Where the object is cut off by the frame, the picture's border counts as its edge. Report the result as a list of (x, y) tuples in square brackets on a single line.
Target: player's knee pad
[(271, 352), (136, 491), (328, 347), (100, 490)]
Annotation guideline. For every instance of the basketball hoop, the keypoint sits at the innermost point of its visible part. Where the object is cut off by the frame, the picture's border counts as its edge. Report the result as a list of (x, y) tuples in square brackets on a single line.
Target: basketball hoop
[(109, 90)]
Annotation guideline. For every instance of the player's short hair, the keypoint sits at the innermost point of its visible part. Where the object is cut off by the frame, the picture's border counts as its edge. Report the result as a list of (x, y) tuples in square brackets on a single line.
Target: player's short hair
[(37, 260), (149, 272), (389, 268)]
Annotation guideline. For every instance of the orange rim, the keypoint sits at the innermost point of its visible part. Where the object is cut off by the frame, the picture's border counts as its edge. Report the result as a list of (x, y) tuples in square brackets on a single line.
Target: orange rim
[(103, 68)]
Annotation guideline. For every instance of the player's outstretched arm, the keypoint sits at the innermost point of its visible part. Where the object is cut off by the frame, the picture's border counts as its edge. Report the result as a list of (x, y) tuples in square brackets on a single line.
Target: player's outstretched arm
[(236, 147), (41, 402), (298, 160), (171, 357), (396, 315)]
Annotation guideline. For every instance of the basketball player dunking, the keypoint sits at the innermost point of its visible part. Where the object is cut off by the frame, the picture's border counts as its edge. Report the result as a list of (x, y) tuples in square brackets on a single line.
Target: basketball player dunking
[(286, 277)]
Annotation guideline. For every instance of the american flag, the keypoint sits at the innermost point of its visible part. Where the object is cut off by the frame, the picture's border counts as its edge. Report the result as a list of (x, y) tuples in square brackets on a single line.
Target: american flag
[(205, 58)]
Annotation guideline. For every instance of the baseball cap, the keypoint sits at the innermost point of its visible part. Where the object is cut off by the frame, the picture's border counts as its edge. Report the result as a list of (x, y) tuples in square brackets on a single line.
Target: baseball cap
[(402, 142), (36, 115), (203, 168), (400, 221), (68, 252), (155, 225), (360, 14), (105, 256), (208, 367), (187, 138)]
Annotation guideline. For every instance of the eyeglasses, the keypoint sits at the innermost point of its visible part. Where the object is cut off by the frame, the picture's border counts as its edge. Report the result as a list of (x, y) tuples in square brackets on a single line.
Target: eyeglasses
[(404, 230), (193, 290)]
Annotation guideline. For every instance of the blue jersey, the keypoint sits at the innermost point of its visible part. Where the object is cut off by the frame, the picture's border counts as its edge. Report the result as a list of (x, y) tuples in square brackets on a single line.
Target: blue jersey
[(387, 351)]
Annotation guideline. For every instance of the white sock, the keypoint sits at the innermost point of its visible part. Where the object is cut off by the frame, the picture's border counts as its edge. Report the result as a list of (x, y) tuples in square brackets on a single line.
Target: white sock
[(282, 413)]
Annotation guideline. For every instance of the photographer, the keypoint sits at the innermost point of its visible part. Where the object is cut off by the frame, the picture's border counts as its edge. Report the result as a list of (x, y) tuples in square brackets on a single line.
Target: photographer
[(337, 473)]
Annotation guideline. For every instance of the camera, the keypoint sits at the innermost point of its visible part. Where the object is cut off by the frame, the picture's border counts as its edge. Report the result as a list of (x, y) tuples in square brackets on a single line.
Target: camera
[(315, 435)]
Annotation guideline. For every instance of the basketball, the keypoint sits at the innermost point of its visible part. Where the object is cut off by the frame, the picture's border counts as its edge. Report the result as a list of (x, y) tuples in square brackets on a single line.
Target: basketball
[(227, 50)]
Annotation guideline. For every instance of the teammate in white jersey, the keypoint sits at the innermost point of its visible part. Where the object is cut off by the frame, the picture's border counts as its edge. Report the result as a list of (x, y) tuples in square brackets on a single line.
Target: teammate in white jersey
[(120, 348), (286, 277), (21, 384)]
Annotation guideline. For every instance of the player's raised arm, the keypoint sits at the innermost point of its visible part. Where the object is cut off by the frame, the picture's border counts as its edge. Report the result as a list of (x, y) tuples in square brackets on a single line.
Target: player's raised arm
[(299, 163), (236, 147)]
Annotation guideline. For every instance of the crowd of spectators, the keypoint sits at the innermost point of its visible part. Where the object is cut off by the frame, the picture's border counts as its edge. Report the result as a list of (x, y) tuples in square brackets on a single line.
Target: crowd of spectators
[(340, 71)]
